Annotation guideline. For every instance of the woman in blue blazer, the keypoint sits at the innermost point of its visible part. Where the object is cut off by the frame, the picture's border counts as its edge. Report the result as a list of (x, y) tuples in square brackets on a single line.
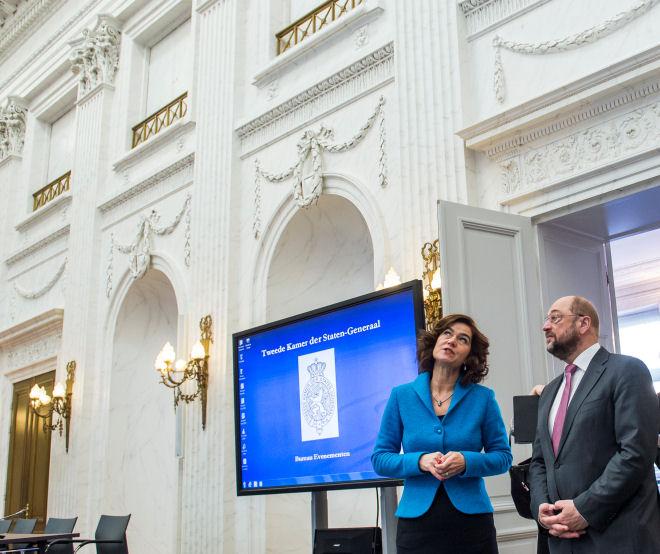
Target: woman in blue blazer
[(443, 433)]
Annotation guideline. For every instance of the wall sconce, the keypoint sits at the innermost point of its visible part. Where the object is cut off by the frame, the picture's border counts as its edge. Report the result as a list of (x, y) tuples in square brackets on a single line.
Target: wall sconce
[(391, 280), (173, 374), (45, 406), (432, 283)]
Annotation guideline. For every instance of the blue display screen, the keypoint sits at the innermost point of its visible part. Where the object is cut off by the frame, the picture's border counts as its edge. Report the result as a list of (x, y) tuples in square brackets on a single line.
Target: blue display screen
[(310, 392)]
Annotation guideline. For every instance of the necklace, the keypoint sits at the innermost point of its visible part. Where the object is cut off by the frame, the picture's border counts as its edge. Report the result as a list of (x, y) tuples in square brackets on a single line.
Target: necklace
[(441, 402)]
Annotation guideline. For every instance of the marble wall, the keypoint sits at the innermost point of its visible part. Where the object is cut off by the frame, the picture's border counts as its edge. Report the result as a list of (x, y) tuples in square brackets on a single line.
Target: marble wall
[(534, 107), (140, 474)]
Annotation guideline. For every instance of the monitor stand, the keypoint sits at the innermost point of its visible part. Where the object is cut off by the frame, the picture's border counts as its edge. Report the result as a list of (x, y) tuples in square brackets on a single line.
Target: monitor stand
[(319, 511), (388, 502)]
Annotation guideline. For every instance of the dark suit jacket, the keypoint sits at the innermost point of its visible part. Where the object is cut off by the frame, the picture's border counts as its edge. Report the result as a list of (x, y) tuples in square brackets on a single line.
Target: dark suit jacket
[(605, 458)]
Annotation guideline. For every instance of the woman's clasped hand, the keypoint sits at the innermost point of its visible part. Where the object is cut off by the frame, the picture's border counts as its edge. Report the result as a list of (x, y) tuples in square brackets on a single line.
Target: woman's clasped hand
[(442, 466)]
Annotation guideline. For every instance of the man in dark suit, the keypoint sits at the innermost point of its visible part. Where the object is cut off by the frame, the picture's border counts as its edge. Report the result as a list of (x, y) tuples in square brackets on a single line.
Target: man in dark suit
[(591, 475)]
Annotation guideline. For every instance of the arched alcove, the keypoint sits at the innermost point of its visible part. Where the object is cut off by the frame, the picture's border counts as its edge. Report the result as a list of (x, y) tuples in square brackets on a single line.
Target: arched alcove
[(324, 255), (141, 467)]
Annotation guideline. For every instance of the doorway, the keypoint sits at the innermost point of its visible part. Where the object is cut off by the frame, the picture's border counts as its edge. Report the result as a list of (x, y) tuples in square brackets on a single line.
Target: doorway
[(29, 454), (636, 268), (623, 270)]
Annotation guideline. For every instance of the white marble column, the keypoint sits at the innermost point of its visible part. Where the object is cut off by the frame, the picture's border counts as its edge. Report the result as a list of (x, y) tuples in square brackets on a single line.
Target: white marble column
[(12, 138), (76, 479), (207, 486), (429, 97)]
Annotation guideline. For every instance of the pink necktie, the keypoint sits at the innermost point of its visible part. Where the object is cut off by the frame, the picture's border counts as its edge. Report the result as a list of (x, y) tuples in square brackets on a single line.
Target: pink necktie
[(563, 407)]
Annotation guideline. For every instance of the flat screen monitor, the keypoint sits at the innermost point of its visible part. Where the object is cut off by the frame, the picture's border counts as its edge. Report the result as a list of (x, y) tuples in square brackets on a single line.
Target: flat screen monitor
[(310, 390)]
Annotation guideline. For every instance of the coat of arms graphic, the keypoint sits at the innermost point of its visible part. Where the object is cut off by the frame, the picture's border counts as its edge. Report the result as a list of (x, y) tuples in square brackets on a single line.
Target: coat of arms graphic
[(318, 397)]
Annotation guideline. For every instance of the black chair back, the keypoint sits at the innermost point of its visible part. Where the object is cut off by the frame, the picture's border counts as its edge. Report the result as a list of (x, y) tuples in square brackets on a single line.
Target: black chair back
[(5, 524), (24, 525), (60, 525), (112, 528)]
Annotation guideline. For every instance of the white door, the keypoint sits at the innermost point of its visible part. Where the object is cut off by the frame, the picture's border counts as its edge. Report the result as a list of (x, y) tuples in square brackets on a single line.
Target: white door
[(489, 265)]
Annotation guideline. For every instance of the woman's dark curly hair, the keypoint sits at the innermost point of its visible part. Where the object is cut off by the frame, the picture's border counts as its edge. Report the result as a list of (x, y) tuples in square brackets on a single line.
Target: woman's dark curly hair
[(476, 364)]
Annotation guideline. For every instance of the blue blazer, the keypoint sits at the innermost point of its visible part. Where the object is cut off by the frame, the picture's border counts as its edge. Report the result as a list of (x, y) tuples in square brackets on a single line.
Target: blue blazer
[(472, 426)]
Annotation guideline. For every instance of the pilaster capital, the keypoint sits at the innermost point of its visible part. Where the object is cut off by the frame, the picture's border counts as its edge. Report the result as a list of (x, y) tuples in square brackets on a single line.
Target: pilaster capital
[(12, 127), (95, 56)]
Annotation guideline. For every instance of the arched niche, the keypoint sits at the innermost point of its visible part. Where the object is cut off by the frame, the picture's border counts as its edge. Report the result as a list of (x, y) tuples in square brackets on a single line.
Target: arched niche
[(141, 467), (323, 255)]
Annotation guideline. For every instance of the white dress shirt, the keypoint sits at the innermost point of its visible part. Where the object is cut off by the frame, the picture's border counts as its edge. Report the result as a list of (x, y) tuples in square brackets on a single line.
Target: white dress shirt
[(582, 362)]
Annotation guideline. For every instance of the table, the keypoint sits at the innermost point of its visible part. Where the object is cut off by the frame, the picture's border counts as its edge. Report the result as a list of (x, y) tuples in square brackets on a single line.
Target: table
[(41, 540)]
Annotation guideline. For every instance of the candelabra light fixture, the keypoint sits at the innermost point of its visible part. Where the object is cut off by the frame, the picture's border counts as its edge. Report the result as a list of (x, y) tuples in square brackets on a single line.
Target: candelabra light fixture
[(432, 282), (174, 373), (45, 406)]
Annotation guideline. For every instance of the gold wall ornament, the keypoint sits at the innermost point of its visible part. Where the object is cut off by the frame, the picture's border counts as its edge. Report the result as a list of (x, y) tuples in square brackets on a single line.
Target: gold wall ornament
[(161, 119), (312, 22), (51, 191), (431, 280), (44, 406), (174, 373)]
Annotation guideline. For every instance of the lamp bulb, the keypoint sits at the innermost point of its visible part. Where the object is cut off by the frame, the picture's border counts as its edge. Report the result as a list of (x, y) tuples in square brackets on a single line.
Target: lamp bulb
[(160, 364), (44, 398), (58, 391), (35, 392), (198, 352), (180, 365), (167, 353)]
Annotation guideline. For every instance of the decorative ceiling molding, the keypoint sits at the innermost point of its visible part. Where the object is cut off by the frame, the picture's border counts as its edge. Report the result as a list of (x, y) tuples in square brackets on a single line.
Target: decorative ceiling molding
[(36, 349), (606, 144), (365, 75), (29, 15), (510, 146), (143, 186), (38, 245), (61, 32), (482, 16)]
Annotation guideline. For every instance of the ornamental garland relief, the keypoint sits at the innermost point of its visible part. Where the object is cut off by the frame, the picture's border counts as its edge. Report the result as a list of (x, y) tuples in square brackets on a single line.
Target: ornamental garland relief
[(571, 42), (307, 170), (37, 293), (589, 149), (139, 251)]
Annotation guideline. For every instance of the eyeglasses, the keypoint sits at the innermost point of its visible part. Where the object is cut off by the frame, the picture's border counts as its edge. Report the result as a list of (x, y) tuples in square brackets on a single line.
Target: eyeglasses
[(556, 318)]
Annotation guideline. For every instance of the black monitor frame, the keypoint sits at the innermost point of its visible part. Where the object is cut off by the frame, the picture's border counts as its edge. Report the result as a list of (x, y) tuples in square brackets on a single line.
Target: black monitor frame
[(418, 306)]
